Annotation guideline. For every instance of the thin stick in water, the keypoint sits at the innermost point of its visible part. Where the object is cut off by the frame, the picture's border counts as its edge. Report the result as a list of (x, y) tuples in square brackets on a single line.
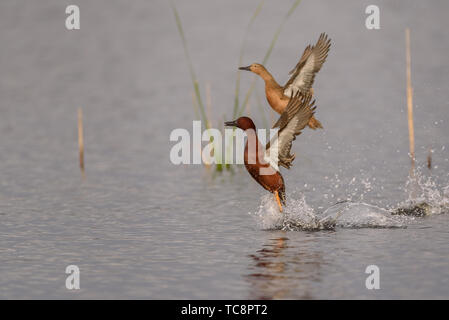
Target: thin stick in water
[(411, 130), (81, 139)]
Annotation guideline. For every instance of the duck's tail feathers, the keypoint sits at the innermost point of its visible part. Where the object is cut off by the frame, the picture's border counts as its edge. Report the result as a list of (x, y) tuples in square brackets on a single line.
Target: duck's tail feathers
[(314, 123)]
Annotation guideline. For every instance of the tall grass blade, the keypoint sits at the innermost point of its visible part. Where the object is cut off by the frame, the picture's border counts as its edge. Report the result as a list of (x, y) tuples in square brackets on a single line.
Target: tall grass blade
[(189, 60), (268, 54), (261, 110)]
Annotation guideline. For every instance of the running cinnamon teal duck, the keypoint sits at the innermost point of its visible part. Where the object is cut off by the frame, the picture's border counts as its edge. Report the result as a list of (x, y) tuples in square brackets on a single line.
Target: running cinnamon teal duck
[(263, 163)]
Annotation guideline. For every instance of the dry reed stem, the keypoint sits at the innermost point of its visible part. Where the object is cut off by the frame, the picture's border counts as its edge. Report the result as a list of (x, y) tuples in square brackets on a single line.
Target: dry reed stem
[(81, 139), (411, 130)]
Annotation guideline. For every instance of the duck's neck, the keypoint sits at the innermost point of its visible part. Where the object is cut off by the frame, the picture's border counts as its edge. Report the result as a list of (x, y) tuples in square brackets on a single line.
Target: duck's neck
[(265, 75), (253, 149), (269, 79)]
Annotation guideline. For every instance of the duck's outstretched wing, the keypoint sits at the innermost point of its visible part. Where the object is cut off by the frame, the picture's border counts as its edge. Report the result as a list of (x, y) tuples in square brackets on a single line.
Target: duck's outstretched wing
[(297, 114), (310, 63)]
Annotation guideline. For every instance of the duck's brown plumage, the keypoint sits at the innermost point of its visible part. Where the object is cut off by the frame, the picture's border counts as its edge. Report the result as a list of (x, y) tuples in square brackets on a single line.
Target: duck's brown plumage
[(297, 114), (301, 80)]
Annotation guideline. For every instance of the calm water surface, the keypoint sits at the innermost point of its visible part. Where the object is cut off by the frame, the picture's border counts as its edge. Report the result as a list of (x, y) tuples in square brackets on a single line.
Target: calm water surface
[(139, 227)]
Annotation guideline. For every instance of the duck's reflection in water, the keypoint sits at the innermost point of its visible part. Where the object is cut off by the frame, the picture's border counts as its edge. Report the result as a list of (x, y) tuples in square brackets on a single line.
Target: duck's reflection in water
[(283, 269)]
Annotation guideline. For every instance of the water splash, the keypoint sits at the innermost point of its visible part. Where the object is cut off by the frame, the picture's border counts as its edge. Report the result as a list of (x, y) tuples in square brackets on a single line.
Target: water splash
[(354, 189), (298, 215), (362, 215), (424, 197)]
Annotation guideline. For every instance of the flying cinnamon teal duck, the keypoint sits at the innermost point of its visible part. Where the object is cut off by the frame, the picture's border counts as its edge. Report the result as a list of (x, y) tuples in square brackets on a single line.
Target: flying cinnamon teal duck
[(262, 164), (302, 77)]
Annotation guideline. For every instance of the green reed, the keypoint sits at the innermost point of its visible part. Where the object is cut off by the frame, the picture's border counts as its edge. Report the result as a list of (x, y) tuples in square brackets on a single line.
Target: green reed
[(237, 110), (196, 87)]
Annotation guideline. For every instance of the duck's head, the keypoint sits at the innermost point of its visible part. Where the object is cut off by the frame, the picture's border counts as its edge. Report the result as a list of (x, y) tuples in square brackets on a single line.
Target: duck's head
[(243, 123), (257, 68)]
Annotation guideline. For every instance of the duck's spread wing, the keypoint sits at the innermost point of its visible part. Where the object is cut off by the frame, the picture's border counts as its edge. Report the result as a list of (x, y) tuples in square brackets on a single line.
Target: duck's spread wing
[(297, 114), (310, 63)]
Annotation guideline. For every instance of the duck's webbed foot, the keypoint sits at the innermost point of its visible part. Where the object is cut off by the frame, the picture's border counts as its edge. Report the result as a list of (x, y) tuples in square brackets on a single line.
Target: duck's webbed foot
[(278, 200)]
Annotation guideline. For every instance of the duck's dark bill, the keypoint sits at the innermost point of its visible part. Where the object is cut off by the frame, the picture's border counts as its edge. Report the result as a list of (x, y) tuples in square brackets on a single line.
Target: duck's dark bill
[(245, 68), (231, 123)]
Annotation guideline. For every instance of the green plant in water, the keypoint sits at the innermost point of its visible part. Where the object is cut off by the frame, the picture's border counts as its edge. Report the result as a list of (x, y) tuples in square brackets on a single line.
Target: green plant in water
[(237, 111), (196, 87)]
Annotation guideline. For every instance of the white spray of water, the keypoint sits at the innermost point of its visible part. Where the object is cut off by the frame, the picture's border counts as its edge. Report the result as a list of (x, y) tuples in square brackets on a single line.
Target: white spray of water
[(363, 215), (421, 191), (298, 215)]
